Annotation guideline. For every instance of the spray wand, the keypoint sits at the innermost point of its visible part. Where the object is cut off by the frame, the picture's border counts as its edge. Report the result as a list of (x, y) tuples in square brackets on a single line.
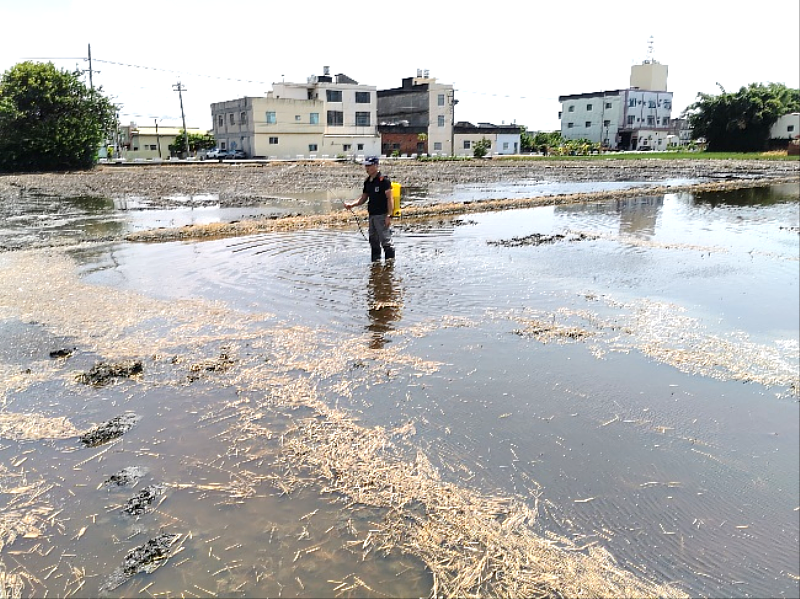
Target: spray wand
[(358, 224)]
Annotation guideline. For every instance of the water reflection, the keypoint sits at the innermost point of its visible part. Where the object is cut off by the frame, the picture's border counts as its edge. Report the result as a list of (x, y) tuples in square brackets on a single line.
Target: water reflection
[(637, 215), (755, 196), (384, 302)]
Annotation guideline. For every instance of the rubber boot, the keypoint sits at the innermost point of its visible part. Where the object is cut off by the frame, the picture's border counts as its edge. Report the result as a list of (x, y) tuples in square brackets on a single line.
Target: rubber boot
[(388, 253)]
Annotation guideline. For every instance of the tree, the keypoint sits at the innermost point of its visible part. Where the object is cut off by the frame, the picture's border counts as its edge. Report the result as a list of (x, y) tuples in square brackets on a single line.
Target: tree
[(526, 140), (49, 120), (741, 121), (542, 141), (197, 141), (481, 148)]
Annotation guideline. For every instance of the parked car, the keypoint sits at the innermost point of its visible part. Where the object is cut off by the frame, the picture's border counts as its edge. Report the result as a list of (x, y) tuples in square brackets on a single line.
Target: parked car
[(212, 154), (239, 154)]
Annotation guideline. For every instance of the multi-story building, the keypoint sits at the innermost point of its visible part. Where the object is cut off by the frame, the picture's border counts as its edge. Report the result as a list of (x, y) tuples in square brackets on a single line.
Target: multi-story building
[(417, 117), (680, 132), (628, 119), (325, 117)]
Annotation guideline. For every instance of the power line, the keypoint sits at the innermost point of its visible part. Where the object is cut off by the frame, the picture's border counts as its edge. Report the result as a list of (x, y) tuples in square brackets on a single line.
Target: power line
[(136, 66), (160, 70)]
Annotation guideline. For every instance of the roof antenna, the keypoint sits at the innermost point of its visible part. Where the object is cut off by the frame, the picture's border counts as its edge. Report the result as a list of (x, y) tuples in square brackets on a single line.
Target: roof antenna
[(650, 59)]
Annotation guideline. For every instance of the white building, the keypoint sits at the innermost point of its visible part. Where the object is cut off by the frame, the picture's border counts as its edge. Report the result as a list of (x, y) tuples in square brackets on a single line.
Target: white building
[(503, 139), (627, 119), (324, 117), (786, 127)]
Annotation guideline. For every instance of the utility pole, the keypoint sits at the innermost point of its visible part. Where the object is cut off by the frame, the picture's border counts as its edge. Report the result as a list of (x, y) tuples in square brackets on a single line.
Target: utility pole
[(158, 140), (180, 89), (91, 85)]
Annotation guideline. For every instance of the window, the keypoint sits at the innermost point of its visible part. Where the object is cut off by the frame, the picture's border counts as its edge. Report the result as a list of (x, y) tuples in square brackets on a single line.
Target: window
[(153, 147), (314, 118), (632, 102), (243, 118), (505, 145), (272, 118), (440, 100), (606, 123), (665, 121), (569, 125), (437, 146), (667, 104), (335, 118), (136, 148), (362, 119), (440, 120), (630, 120), (608, 104), (789, 128), (362, 97), (232, 119), (651, 104), (466, 144), (333, 95), (588, 107), (346, 147), (588, 124), (312, 147), (651, 120), (273, 141), (220, 121), (298, 118), (360, 147), (571, 109), (222, 145)]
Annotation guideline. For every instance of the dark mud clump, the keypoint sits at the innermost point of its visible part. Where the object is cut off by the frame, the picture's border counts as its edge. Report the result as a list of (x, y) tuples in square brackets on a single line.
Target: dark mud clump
[(145, 558), (62, 353), (103, 373), (108, 431), (126, 477), (143, 501), (219, 364), (536, 239)]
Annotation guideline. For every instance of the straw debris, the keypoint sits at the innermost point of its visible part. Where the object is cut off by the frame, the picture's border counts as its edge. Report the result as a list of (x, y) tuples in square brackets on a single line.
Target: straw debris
[(475, 546), (32, 426)]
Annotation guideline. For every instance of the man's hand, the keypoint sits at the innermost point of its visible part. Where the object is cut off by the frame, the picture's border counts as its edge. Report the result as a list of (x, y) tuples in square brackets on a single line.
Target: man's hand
[(388, 220)]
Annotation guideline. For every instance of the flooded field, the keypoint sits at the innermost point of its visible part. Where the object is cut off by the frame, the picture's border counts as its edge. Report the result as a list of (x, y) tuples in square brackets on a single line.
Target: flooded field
[(597, 398)]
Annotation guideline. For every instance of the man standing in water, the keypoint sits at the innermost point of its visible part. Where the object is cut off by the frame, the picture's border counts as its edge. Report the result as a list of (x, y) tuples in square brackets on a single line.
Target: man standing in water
[(378, 191)]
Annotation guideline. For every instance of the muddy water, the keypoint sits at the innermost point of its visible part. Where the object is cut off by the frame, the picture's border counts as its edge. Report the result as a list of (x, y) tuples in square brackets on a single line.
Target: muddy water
[(638, 376), (39, 219)]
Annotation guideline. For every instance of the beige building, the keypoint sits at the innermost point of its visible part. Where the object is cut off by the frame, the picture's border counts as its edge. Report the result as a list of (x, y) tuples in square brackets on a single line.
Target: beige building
[(328, 116), (148, 142)]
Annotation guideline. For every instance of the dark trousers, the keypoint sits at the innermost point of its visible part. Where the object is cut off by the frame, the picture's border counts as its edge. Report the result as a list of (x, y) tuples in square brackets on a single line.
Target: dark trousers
[(380, 236)]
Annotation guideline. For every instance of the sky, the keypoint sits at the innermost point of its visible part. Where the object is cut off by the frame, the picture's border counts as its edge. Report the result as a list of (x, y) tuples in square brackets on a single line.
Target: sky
[(508, 60)]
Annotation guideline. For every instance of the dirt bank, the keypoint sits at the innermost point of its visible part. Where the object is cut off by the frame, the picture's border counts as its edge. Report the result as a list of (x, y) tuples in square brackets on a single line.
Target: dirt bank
[(243, 184)]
